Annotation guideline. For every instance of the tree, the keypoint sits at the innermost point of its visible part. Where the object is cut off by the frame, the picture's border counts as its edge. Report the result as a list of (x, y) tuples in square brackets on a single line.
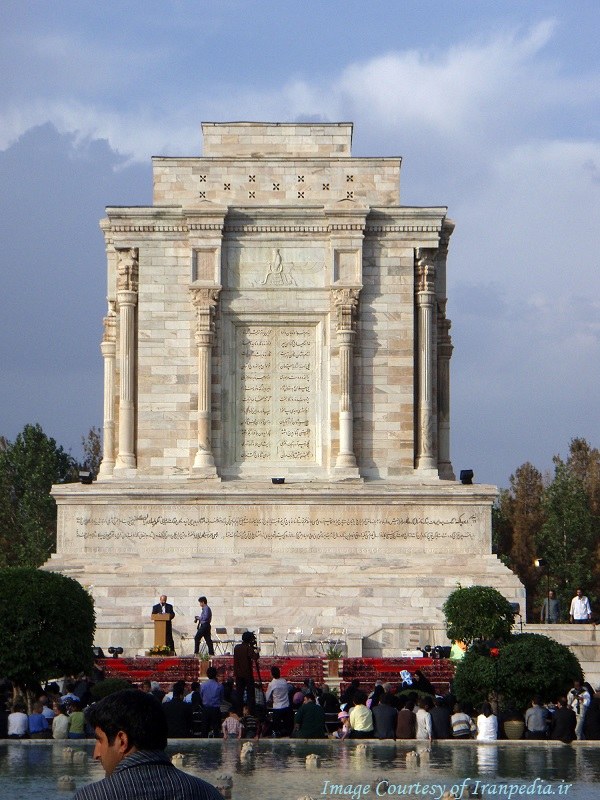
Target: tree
[(476, 613), (517, 521), (92, 451), (583, 463), (566, 539), (47, 629), (527, 665), (28, 468)]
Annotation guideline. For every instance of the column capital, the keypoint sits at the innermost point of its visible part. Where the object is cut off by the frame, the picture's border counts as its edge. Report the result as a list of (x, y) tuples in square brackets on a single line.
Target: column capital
[(127, 269), (425, 258), (345, 299), (109, 336), (205, 298)]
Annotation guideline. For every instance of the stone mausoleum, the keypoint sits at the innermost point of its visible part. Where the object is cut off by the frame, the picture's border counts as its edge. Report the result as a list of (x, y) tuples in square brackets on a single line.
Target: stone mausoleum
[(276, 313)]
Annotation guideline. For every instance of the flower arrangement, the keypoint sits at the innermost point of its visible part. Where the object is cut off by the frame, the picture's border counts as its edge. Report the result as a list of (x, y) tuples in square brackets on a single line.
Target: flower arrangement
[(161, 650)]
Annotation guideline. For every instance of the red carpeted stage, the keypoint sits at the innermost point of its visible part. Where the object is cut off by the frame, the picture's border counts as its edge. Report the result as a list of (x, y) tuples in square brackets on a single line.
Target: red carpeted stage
[(296, 669)]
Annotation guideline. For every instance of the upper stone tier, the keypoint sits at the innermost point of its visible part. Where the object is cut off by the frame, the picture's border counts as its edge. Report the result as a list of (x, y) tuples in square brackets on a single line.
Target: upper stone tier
[(268, 164), (281, 139)]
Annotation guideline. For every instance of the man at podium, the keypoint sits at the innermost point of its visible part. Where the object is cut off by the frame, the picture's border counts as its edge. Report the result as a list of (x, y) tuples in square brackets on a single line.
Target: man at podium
[(162, 607)]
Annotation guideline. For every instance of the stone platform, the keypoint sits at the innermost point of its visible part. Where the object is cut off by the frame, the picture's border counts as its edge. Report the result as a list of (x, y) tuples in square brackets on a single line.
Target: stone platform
[(361, 556)]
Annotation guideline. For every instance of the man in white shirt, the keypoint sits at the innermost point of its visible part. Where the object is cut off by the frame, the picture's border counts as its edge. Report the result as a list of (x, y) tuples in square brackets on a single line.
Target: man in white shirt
[(580, 610), (278, 692), (579, 700)]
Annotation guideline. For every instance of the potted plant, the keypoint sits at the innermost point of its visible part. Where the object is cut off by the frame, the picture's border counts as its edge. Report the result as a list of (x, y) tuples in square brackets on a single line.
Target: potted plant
[(333, 655)]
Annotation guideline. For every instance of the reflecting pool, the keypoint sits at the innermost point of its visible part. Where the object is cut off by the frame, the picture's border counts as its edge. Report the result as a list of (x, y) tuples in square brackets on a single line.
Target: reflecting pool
[(277, 769)]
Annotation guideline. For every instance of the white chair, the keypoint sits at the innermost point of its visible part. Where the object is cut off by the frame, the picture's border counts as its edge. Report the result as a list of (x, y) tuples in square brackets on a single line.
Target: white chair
[(293, 638), (317, 640), (337, 638), (222, 641), (267, 638)]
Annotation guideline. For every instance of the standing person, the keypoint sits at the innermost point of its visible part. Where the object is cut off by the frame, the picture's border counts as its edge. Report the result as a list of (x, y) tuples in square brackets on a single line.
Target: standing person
[(580, 610), (245, 656), (278, 692), (550, 608), (212, 696), (203, 631), (131, 737), (579, 699), (162, 607)]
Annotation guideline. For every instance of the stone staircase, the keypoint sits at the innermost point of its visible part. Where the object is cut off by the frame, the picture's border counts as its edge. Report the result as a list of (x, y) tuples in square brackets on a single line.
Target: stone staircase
[(363, 594)]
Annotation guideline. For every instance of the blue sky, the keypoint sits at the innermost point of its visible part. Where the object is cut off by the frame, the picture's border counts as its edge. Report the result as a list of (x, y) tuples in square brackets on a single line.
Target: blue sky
[(493, 107)]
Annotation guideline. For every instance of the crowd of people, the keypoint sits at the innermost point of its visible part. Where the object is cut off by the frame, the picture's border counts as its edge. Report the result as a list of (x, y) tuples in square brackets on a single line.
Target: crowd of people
[(241, 709)]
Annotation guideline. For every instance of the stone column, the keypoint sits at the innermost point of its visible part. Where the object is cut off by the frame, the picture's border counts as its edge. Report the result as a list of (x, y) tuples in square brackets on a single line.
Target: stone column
[(109, 351), (204, 300), (345, 301), (444, 353), (426, 461), (127, 296)]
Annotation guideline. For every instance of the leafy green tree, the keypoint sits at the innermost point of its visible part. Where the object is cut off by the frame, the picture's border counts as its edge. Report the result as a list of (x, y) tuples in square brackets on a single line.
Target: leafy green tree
[(567, 539), (476, 613), (527, 665), (47, 630), (517, 520), (28, 468), (92, 451)]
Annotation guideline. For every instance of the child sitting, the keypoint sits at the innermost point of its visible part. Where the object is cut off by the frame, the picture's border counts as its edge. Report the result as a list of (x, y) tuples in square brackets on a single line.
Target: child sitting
[(232, 727), (344, 730)]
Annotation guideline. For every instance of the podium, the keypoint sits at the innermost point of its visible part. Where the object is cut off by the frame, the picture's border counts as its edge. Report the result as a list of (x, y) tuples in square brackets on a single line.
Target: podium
[(161, 626)]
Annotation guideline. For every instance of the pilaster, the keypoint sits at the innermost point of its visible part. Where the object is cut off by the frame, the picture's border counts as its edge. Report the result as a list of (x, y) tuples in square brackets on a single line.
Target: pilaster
[(426, 462), (127, 297), (345, 301), (108, 349), (205, 300)]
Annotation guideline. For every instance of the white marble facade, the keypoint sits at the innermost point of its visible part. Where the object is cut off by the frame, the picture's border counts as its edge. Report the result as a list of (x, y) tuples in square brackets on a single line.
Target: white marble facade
[(276, 313)]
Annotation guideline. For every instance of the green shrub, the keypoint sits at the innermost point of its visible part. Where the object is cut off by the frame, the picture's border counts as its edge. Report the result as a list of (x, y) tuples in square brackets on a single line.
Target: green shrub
[(477, 612), (527, 665), (47, 628)]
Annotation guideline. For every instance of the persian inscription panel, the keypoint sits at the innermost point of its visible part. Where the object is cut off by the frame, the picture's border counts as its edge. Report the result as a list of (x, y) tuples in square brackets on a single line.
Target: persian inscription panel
[(275, 393), (177, 529)]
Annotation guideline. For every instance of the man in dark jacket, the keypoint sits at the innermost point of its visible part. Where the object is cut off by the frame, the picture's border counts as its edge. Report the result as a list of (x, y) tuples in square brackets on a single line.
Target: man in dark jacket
[(564, 722), (245, 656), (178, 714), (440, 720), (162, 607), (385, 717)]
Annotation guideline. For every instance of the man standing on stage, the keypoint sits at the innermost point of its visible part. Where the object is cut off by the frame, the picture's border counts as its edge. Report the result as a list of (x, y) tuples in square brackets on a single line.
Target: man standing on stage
[(245, 656), (162, 607), (203, 631)]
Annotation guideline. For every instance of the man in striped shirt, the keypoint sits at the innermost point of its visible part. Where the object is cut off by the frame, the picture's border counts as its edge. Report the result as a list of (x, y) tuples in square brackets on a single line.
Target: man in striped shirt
[(131, 737)]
